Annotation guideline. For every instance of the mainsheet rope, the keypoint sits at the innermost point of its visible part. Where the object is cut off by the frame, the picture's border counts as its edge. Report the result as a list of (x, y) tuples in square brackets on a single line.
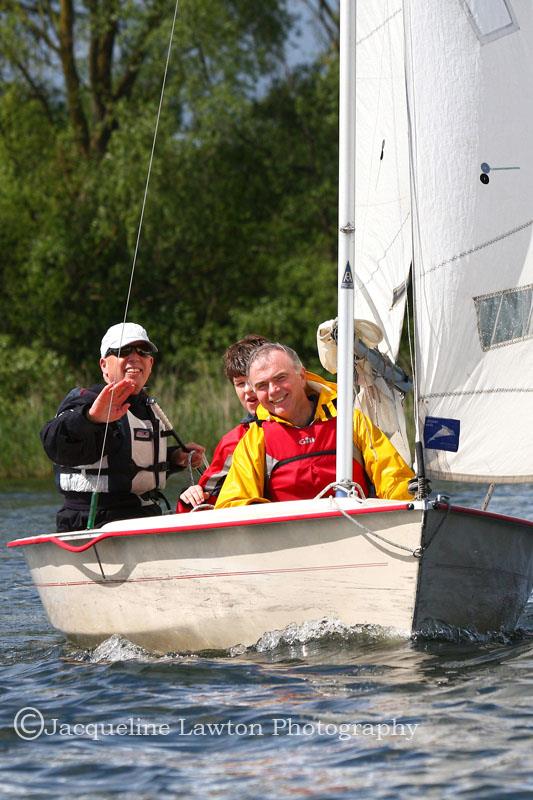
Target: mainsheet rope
[(351, 487)]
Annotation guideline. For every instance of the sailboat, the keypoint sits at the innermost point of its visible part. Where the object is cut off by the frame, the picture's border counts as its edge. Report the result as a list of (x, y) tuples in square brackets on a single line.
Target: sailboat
[(436, 182)]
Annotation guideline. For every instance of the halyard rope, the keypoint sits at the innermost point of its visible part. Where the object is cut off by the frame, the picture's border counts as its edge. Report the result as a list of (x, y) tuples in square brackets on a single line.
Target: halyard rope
[(169, 427), (92, 512)]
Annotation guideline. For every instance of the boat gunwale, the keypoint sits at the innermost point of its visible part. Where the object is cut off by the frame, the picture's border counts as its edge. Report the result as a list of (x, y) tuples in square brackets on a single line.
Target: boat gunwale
[(439, 505), (61, 540)]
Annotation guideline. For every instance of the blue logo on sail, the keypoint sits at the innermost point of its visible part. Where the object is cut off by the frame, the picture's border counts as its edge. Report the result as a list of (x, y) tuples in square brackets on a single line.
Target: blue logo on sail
[(442, 434)]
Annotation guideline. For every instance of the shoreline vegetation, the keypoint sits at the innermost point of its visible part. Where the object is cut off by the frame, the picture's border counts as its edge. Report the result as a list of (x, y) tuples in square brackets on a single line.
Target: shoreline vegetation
[(200, 410), (240, 230), (201, 406)]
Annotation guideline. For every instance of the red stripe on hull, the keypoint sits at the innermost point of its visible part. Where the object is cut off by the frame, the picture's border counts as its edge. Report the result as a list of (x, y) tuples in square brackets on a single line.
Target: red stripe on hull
[(478, 512), (279, 571)]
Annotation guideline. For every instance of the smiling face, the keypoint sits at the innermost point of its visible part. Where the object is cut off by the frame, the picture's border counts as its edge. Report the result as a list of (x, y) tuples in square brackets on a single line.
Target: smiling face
[(245, 393), (280, 387), (134, 366)]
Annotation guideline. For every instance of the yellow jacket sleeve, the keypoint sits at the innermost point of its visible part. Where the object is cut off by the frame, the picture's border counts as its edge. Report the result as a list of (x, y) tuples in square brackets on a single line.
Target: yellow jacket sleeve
[(245, 481), (384, 465)]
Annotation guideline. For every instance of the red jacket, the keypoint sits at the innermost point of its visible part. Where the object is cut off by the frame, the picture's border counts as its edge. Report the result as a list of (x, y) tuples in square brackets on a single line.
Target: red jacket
[(300, 462), (247, 480), (215, 474)]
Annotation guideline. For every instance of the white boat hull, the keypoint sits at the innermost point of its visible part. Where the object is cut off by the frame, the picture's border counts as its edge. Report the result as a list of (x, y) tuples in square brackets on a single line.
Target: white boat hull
[(215, 579), (213, 586)]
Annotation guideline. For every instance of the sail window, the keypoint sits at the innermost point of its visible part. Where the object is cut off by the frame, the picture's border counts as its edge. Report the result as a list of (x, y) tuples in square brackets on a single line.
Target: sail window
[(505, 317), (491, 19)]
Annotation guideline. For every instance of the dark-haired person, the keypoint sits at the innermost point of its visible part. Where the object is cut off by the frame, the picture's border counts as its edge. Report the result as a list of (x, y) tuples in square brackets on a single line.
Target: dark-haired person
[(290, 453), (110, 438), (235, 360)]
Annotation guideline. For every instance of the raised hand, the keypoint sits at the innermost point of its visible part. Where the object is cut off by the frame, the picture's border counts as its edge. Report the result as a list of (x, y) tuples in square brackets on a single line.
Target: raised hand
[(111, 404)]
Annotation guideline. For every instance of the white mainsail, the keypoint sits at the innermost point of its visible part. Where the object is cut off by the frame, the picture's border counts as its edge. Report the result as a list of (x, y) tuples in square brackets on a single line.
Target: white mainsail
[(470, 95), (383, 224)]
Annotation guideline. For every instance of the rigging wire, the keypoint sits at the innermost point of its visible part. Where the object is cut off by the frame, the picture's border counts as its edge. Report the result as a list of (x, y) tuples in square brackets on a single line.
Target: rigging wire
[(414, 226), (149, 173), (94, 498), (423, 490)]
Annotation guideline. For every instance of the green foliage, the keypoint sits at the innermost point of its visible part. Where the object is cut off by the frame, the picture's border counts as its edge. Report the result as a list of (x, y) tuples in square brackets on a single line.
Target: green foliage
[(303, 295), (33, 381), (239, 229), (26, 367), (240, 191), (21, 453), (201, 411)]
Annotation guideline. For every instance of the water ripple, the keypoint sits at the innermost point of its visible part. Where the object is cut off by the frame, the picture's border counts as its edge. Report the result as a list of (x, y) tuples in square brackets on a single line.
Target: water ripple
[(321, 710)]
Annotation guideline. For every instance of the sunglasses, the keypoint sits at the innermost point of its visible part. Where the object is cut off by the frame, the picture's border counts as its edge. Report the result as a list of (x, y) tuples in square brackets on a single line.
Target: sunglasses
[(127, 350)]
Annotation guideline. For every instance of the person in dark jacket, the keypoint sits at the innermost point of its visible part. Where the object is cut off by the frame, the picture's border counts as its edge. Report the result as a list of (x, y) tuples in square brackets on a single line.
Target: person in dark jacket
[(111, 438)]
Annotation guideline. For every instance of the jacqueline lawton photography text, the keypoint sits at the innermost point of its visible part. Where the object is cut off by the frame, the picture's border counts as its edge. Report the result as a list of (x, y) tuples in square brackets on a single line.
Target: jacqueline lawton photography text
[(29, 723)]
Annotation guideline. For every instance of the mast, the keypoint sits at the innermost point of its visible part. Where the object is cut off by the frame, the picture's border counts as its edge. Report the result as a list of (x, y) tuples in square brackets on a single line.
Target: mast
[(345, 342)]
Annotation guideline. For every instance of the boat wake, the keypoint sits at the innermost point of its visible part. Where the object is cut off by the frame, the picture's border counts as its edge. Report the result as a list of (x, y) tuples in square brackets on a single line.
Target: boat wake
[(325, 633), (116, 649), (328, 632), (297, 641)]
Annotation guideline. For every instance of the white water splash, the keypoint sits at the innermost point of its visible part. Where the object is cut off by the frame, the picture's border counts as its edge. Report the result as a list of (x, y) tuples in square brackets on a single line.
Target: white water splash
[(117, 648), (324, 630)]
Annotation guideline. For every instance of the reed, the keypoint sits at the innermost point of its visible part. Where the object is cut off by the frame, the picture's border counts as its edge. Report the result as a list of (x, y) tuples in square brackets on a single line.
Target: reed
[(21, 452), (200, 410)]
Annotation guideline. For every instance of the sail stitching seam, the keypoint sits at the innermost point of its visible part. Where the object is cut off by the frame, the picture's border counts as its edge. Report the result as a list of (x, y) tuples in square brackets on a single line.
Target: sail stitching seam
[(474, 391), (379, 27), (480, 246)]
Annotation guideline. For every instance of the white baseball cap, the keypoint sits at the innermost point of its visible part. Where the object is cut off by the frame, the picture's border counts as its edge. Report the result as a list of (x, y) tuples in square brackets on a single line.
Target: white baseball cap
[(122, 334)]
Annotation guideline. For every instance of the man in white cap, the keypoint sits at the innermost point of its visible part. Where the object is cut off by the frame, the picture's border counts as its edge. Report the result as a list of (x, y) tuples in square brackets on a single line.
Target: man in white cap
[(111, 438)]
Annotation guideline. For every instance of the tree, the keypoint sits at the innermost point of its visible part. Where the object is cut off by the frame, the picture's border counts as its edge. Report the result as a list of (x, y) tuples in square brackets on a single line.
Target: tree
[(243, 182), (74, 74), (87, 57), (326, 16)]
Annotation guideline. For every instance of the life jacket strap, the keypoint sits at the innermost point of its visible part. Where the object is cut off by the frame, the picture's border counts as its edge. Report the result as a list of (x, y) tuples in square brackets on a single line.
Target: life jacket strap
[(162, 466), (314, 454)]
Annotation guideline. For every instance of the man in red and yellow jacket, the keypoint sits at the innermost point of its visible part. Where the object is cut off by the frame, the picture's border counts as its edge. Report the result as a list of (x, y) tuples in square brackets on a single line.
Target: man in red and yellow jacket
[(290, 453)]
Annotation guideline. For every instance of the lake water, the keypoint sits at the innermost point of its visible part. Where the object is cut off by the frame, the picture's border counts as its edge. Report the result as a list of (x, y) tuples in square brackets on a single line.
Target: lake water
[(318, 712)]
